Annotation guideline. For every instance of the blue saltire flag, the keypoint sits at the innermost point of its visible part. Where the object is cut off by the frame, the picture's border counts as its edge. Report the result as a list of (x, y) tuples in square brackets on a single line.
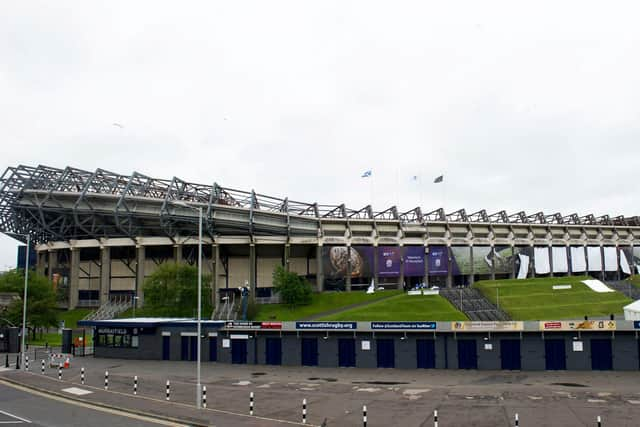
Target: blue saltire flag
[(366, 174)]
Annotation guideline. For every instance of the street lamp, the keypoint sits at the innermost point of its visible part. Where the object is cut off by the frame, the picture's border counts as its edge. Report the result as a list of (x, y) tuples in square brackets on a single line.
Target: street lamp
[(199, 320), (23, 346)]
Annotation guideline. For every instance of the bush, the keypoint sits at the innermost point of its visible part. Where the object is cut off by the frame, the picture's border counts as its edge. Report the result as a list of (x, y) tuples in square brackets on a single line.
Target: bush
[(293, 289)]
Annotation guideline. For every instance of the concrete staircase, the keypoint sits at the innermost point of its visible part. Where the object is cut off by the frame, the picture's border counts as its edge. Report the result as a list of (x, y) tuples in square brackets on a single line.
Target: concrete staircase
[(471, 302), (625, 288)]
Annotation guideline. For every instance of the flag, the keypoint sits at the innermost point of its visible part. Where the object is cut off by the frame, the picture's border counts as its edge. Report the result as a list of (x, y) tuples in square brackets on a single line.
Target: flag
[(438, 179), (366, 174), (414, 178)]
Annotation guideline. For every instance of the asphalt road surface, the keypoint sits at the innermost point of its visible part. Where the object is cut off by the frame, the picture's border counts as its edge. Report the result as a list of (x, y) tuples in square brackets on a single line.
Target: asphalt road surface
[(18, 407)]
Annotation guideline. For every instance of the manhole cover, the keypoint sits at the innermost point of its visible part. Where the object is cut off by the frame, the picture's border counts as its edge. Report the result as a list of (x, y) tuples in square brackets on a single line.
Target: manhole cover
[(570, 384)]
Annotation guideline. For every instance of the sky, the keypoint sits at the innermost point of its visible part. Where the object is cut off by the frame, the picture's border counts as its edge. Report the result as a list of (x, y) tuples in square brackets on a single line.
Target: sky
[(529, 106)]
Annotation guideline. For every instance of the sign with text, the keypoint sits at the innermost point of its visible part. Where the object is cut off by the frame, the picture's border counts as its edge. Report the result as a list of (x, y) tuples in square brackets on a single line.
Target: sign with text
[(404, 325), (327, 325), (414, 261), (389, 261), (588, 325), (253, 325), (488, 326), (438, 261)]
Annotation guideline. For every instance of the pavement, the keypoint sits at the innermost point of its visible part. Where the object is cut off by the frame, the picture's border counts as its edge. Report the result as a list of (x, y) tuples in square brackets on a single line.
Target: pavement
[(392, 396)]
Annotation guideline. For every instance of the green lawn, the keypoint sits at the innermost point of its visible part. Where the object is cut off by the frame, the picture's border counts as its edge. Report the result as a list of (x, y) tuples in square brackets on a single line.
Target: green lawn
[(403, 307), (321, 303), (535, 299), (635, 280), (70, 318)]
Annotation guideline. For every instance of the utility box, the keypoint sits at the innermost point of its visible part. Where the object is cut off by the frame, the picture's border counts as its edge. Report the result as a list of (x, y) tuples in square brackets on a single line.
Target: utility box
[(67, 340)]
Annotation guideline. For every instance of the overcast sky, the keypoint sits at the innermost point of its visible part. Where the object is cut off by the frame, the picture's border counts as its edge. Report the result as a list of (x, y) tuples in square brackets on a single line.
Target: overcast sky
[(522, 106)]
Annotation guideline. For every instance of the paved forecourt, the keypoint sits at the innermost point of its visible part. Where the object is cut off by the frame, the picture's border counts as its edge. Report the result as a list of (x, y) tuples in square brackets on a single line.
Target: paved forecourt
[(392, 397)]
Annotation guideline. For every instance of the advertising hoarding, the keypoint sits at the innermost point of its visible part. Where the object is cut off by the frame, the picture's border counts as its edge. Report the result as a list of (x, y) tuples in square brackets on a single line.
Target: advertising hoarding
[(414, 261), (438, 261)]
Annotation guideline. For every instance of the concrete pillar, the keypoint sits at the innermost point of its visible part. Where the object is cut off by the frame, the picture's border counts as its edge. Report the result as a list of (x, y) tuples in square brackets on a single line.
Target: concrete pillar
[(532, 269), (177, 253), (551, 261), (40, 263), (586, 258), (493, 263), (348, 278), (74, 280), (512, 274), (215, 285), (426, 265), (618, 276), (602, 271), (569, 259), (449, 268), (105, 274), (472, 279), (252, 269), (140, 261), (286, 255), (52, 263), (401, 278), (319, 271), (375, 265)]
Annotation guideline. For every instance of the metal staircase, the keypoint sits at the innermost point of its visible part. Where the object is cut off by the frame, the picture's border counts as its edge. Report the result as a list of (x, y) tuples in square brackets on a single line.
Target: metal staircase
[(472, 303), (111, 309), (625, 287)]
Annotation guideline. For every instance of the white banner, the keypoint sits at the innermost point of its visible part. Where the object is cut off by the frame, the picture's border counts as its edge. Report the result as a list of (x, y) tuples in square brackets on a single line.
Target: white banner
[(624, 263), (559, 259), (578, 260), (541, 260), (524, 266), (610, 259), (594, 257)]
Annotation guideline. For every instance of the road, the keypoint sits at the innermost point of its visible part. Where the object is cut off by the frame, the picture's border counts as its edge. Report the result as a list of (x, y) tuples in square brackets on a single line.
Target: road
[(19, 407)]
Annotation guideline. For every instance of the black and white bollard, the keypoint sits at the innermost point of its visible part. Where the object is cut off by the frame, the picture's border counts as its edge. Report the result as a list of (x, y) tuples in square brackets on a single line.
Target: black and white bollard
[(82, 375), (26, 363), (42, 367), (251, 403), (106, 380), (364, 415), (517, 420), (6, 361), (59, 373), (435, 418), (17, 361), (168, 389), (204, 396), (304, 411), (135, 385), (599, 421)]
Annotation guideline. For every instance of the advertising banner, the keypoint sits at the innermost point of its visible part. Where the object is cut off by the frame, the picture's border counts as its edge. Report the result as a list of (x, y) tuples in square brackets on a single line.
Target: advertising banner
[(404, 325), (589, 325), (461, 260), (482, 259), (488, 326), (241, 324), (438, 261), (503, 259), (335, 261), (413, 261), (327, 325), (389, 261)]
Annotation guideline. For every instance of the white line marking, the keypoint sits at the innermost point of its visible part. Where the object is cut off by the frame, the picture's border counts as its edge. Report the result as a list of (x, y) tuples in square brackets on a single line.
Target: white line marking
[(77, 391), (16, 417)]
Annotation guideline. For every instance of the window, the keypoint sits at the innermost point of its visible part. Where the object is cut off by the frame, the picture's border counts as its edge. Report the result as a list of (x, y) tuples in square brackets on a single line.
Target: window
[(116, 337)]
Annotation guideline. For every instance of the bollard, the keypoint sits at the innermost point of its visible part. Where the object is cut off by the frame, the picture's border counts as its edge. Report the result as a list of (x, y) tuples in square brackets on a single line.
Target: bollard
[(204, 396), (517, 420), (82, 375), (251, 403), (6, 361), (364, 415), (135, 385), (26, 363), (17, 361), (42, 366), (304, 411), (435, 418), (168, 389), (106, 380), (599, 421), (59, 373)]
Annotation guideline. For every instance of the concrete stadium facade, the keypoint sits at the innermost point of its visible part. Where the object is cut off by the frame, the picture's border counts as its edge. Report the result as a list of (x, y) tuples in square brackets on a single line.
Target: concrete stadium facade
[(100, 234)]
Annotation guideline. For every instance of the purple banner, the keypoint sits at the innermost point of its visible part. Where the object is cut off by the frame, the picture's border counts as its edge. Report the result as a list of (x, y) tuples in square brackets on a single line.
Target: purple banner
[(389, 261), (438, 261), (414, 261)]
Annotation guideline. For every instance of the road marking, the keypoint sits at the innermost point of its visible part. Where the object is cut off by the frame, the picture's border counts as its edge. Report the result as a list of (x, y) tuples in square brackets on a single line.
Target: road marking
[(22, 420), (77, 391)]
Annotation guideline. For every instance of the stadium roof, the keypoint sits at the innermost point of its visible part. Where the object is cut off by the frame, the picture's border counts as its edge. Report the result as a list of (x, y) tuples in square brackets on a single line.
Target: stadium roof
[(61, 204)]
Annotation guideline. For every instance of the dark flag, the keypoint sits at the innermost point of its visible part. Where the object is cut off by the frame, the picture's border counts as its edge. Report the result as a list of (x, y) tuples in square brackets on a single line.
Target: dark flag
[(438, 179)]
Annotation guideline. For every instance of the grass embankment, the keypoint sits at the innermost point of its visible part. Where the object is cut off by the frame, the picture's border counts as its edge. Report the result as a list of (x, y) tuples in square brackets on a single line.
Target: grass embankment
[(403, 307), (535, 299), (322, 302), (70, 318), (635, 280)]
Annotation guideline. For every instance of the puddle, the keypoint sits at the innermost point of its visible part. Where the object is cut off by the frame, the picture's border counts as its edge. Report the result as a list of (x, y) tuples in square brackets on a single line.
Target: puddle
[(379, 382), (329, 380), (570, 384), (256, 374)]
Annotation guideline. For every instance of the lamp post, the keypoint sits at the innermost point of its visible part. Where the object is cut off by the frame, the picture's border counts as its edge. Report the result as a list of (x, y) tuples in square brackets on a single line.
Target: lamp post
[(23, 345), (199, 320)]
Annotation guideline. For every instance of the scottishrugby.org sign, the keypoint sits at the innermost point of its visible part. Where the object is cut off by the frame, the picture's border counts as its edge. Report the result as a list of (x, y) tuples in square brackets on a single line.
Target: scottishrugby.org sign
[(589, 325), (327, 325), (404, 325)]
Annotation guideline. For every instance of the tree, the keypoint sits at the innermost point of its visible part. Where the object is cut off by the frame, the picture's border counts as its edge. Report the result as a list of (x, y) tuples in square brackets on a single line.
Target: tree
[(293, 289), (41, 299), (172, 290)]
